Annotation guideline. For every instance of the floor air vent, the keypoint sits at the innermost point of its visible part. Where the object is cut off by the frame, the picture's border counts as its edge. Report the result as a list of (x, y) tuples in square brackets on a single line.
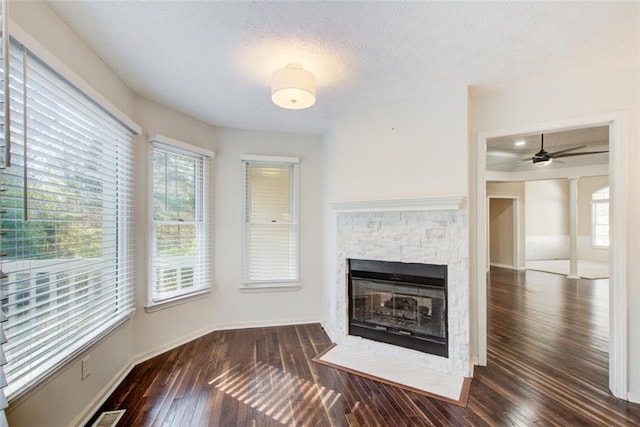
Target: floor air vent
[(109, 418)]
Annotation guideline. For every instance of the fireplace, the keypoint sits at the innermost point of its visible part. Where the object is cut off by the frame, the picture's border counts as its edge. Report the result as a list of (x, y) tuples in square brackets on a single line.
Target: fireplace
[(403, 304), (430, 230)]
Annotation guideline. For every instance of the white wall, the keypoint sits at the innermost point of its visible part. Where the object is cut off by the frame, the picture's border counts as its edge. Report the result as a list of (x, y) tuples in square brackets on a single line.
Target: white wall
[(233, 307), (547, 220), (44, 25), (227, 306), (412, 149), (583, 94), (159, 330), (586, 187)]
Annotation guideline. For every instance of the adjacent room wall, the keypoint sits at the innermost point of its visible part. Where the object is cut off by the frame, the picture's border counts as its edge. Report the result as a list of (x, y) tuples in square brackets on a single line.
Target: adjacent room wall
[(513, 190), (586, 187), (502, 215), (547, 220)]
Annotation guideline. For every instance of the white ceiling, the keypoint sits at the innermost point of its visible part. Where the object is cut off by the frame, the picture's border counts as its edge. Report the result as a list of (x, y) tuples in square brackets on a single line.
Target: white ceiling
[(213, 60)]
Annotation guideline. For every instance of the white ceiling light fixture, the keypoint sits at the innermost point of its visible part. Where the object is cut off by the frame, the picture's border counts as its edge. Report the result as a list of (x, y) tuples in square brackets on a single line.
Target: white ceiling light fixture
[(293, 88), (542, 162)]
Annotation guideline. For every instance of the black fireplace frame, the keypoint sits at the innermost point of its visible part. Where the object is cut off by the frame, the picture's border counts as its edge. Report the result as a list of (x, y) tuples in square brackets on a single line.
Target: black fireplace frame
[(421, 275)]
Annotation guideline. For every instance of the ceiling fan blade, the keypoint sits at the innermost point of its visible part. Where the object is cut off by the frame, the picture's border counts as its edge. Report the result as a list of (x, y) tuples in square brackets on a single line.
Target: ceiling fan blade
[(555, 153), (501, 153), (581, 154), (499, 164)]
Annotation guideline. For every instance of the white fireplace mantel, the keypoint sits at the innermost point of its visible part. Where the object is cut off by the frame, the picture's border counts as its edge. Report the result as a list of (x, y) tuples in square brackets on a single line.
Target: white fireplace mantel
[(419, 204)]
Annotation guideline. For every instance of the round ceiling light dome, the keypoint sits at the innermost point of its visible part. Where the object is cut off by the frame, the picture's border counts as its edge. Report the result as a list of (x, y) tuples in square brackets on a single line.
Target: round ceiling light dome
[(293, 88)]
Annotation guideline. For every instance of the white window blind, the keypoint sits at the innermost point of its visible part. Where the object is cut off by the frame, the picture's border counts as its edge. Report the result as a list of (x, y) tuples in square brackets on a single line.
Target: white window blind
[(66, 223), (4, 163), (600, 218), (180, 242), (270, 221)]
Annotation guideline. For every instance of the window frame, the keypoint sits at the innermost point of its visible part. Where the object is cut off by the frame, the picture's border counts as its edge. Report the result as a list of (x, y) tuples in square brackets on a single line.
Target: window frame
[(123, 257), (595, 202), (248, 160), (202, 208)]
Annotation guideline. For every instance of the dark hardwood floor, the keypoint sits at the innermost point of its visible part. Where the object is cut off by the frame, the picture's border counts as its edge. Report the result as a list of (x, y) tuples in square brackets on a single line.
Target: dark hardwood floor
[(547, 365)]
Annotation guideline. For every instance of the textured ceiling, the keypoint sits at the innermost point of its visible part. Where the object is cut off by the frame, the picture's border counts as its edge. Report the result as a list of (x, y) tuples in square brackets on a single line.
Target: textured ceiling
[(214, 60)]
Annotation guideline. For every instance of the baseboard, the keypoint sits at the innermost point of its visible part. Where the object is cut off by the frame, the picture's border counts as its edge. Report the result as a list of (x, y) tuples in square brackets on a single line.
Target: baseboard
[(473, 361), (102, 396), (109, 388), (330, 331), (510, 267), (149, 354), (633, 396), (143, 357), (248, 325)]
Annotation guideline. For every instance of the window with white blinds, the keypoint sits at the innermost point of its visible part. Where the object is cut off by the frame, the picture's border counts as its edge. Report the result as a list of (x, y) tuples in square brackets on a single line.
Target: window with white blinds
[(270, 249), (180, 244), (600, 218), (66, 223), (4, 163)]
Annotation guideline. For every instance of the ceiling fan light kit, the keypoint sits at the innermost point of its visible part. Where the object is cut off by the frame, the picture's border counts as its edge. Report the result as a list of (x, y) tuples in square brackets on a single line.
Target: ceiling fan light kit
[(293, 88), (542, 162)]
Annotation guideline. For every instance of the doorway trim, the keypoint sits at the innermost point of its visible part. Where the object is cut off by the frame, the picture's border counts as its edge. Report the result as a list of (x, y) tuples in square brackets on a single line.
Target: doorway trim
[(618, 147)]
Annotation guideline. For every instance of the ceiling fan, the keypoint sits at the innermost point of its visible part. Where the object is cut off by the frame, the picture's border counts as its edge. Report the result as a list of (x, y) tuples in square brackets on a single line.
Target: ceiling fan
[(544, 157)]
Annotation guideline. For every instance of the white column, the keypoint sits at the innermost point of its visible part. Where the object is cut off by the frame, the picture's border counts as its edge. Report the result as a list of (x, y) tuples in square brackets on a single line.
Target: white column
[(573, 228)]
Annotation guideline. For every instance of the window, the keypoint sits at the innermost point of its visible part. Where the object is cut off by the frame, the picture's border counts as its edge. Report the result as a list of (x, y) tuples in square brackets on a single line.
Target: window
[(600, 218), (270, 250), (180, 245), (66, 223)]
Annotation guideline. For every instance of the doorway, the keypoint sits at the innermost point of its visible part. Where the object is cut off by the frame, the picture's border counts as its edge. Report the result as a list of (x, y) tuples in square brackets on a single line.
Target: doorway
[(503, 232), (618, 140)]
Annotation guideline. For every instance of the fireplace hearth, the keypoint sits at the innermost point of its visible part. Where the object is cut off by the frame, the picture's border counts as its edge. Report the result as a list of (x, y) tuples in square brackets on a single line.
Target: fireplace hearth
[(403, 304)]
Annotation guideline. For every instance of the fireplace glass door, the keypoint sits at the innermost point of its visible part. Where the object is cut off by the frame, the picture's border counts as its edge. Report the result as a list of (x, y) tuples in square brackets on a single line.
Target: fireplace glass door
[(404, 309)]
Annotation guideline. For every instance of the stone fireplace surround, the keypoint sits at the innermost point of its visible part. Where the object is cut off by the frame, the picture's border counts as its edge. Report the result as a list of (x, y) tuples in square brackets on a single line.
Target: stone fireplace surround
[(429, 230)]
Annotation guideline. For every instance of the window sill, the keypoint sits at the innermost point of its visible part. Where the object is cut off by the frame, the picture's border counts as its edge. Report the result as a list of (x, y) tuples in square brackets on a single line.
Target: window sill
[(18, 397), (182, 299), (270, 287)]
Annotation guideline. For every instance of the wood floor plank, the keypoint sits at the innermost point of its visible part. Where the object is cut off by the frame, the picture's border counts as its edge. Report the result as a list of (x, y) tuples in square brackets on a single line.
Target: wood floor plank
[(547, 365)]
